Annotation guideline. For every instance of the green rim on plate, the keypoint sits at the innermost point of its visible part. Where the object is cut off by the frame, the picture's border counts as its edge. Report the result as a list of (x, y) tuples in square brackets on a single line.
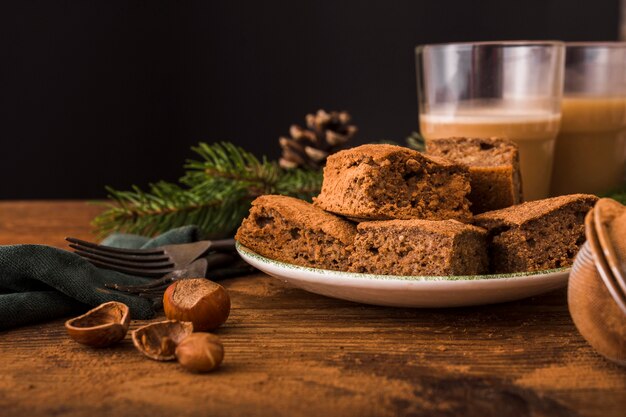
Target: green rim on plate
[(247, 252)]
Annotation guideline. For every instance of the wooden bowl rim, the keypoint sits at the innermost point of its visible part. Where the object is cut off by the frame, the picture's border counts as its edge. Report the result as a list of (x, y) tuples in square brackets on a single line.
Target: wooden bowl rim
[(601, 263)]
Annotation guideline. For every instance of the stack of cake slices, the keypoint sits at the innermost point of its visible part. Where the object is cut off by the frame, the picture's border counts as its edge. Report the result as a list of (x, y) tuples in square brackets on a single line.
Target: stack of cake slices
[(454, 210)]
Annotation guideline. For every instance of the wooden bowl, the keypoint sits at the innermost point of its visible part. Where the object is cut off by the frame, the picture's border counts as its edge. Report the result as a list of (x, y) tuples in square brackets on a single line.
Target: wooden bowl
[(596, 314)]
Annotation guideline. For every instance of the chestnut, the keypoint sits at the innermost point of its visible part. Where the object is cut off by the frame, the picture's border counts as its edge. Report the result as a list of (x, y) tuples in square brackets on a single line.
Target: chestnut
[(204, 303), (200, 352)]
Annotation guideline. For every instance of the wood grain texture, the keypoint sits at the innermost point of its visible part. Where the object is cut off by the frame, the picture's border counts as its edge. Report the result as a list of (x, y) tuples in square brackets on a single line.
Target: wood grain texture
[(291, 353)]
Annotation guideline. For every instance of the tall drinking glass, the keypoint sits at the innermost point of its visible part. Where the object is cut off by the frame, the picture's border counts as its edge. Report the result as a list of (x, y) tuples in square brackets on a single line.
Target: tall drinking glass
[(589, 155), (506, 89)]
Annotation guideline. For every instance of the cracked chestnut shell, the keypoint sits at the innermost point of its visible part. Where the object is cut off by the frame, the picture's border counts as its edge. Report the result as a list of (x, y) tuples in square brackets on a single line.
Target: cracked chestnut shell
[(204, 303), (101, 326), (158, 340)]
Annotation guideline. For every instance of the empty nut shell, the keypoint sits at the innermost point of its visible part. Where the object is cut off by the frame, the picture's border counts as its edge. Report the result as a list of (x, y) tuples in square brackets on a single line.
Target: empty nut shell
[(158, 340), (200, 352), (101, 326)]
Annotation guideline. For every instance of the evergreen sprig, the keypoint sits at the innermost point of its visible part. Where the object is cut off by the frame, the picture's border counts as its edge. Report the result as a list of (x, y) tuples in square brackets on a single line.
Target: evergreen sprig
[(619, 195), (416, 141), (215, 194)]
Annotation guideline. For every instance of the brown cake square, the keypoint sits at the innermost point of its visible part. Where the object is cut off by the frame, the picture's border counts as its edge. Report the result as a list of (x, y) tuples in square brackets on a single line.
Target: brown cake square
[(419, 247), (536, 235), (378, 182), (294, 231), (493, 165)]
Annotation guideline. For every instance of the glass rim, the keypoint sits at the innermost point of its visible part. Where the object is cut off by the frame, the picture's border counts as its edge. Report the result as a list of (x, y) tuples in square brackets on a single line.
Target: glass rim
[(505, 44), (597, 45)]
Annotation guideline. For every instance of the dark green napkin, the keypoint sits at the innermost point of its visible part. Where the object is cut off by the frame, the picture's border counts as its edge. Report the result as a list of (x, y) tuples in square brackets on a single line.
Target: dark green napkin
[(39, 283)]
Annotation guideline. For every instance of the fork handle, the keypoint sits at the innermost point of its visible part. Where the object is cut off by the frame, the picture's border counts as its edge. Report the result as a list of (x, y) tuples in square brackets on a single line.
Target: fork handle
[(223, 245)]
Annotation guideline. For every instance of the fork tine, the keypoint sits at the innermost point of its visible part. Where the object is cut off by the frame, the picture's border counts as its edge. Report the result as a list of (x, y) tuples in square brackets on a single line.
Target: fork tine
[(121, 256), (130, 264), (132, 271), (166, 280), (116, 250)]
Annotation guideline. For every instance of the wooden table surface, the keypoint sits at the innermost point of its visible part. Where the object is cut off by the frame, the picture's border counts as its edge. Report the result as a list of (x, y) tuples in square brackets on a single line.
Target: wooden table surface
[(291, 353)]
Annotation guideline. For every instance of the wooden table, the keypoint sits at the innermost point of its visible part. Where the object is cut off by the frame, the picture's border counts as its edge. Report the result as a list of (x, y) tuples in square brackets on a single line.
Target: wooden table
[(291, 353)]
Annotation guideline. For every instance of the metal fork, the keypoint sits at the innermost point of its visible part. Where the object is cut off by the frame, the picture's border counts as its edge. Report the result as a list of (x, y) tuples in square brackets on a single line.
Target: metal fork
[(196, 269), (154, 292), (155, 262)]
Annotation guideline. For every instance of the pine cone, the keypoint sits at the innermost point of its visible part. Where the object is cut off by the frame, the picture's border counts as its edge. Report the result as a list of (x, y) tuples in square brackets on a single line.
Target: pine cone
[(325, 134)]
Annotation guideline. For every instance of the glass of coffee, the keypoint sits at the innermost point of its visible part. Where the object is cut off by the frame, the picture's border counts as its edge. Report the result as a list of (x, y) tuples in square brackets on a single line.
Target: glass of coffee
[(590, 153), (505, 89)]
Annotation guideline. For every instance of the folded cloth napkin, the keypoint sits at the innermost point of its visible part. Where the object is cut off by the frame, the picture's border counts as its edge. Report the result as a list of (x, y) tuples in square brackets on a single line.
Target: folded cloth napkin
[(39, 283)]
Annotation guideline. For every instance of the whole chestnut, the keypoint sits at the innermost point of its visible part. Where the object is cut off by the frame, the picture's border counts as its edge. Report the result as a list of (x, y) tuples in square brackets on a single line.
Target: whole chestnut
[(200, 352), (204, 303)]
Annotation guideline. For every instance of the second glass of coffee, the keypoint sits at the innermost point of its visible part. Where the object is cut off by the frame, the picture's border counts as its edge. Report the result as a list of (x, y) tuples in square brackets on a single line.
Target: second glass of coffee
[(589, 156)]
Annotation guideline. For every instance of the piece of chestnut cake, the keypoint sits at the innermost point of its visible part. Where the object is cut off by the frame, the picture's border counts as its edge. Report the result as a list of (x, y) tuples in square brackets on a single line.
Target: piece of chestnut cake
[(537, 235), (380, 182), (294, 231), (419, 247), (493, 166)]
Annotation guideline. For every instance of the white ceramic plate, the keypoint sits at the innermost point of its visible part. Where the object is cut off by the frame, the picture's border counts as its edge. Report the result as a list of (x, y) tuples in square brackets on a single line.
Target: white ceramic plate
[(412, 291)]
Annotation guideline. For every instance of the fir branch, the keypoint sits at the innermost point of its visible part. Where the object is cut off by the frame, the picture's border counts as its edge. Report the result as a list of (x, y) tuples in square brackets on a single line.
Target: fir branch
[(215, 194), (226, 169), (224, 166), (416, 141), (619, 195), (299, 183), (166, 206)]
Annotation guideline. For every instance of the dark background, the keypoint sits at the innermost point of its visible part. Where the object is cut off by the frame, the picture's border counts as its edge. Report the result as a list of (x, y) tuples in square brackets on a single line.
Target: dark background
[(115, 92)]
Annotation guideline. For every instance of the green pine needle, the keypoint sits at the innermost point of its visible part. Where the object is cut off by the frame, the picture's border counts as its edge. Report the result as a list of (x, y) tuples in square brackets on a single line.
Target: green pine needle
[(416, 141), (214, 194), (619, 195)]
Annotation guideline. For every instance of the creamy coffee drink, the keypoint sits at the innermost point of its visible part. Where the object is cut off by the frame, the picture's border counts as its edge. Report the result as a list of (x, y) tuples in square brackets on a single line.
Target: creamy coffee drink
[(589, 156), (533, 131)]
